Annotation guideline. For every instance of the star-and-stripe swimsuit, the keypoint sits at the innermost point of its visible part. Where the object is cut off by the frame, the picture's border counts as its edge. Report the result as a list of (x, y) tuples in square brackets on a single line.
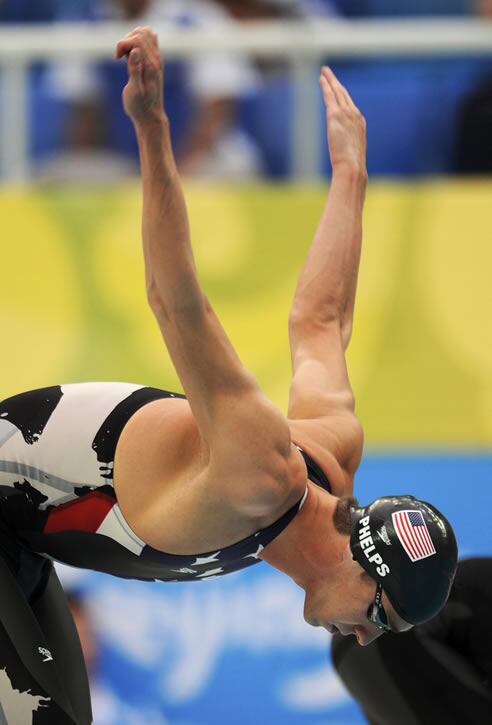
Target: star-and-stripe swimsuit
[(57, 448)]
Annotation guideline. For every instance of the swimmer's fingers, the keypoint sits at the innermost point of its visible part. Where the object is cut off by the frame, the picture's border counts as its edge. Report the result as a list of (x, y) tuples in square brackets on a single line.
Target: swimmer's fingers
[(343, 96), (126, 45), (346, 125), (335, 86), (142, 96), (328, 94), (142, 38)]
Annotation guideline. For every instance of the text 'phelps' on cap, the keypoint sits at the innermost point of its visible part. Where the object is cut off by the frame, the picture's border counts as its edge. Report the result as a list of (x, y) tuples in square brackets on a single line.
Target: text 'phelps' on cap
[(410, 547)]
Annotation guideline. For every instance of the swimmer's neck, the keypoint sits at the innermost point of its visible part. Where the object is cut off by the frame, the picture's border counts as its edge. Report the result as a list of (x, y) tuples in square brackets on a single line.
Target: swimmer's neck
[(310, 545)]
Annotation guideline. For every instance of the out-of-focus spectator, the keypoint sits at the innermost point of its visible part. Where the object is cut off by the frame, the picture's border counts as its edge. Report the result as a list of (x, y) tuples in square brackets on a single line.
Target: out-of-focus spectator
[(201, 99), (107, 707), (266, 114), (483, 8), (473, 151)]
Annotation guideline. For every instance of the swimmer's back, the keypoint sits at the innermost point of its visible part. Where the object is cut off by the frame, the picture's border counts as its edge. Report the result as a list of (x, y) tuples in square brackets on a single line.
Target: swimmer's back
[(188, 500), (58, 446)]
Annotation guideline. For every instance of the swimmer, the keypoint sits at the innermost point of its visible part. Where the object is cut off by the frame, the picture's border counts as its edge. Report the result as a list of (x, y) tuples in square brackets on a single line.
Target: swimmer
[(438, 672), (148, 484)]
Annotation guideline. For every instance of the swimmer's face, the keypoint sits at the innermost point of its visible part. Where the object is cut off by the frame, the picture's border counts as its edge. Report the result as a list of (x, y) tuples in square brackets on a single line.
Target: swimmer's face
[(341, 605)]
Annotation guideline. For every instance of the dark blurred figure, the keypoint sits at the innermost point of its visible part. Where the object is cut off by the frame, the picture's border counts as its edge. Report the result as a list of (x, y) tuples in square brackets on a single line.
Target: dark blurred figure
[(439, 672), (81, 617), (108, 707), (473, 145), (473, 152)]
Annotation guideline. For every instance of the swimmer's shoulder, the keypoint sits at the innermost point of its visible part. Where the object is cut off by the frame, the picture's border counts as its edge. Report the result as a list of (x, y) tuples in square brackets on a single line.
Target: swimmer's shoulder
[(336, 449)]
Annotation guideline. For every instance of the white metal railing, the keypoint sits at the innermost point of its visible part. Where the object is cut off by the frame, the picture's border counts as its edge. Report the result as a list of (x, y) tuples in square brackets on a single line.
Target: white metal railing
[(303, 44)]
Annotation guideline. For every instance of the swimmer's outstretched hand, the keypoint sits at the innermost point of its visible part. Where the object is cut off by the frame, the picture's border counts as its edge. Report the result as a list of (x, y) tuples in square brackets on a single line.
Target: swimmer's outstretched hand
[(346, 124), (143, 94)]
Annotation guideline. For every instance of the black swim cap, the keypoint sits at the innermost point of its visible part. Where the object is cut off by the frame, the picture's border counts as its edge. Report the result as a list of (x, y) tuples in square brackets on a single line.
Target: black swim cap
[(410, 547)]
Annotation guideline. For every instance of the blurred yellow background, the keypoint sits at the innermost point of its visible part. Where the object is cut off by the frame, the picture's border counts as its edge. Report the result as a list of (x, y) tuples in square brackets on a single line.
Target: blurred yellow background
[(73, 305)]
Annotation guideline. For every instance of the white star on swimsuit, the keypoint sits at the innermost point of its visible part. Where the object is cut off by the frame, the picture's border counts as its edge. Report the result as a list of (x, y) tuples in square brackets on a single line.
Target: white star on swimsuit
[(256, 555), (184, 570), (212, 572), (166, 581), (205, 559)]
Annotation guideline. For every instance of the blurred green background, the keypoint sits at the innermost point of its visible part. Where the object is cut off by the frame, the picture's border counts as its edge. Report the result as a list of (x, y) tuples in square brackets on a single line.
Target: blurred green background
[(73, 305)]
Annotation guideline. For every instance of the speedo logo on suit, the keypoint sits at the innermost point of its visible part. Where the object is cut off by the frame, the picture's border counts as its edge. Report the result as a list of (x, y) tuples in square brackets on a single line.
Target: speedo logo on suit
[(46, 654), (369, 549)]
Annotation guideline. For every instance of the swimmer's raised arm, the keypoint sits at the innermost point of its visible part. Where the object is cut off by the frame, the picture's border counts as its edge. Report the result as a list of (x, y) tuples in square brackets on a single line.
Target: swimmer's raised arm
[(219, 389), (320, 323), (169, 266)]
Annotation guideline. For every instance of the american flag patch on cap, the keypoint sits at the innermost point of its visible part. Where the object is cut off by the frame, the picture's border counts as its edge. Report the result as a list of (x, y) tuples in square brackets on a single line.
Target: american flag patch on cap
[(414, 536)]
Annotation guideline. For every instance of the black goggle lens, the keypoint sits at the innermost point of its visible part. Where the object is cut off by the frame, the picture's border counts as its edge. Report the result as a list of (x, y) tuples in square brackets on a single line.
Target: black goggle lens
[(376, 613)]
